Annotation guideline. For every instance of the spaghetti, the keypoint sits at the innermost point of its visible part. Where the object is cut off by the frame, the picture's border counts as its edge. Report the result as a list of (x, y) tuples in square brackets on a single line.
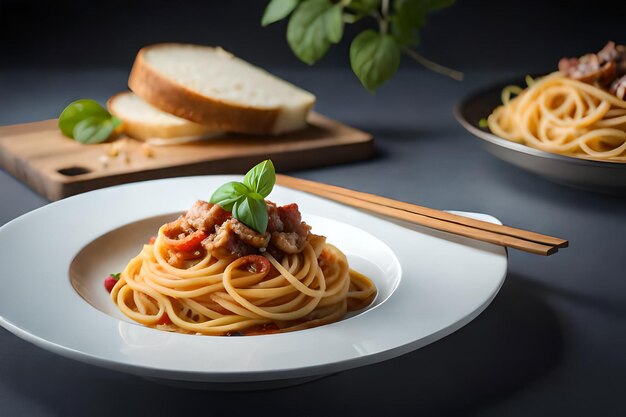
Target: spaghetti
[(565, 116), (578, 111), (235, 281)]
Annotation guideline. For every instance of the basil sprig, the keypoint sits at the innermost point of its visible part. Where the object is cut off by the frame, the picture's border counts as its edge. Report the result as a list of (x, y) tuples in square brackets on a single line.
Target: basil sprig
[(314, 25), (246, 200), (87, 122)]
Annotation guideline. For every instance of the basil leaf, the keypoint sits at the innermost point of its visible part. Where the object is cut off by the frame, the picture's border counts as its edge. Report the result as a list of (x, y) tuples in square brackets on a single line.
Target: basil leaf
[(261, 178), (256, 196), (374, 57), (246, 201), (277, 10), (117, 122), (252, 213), (404, 31), (313, 27), (228, 194), (93, 129), (77, 111), (412, 13), (334, 23)]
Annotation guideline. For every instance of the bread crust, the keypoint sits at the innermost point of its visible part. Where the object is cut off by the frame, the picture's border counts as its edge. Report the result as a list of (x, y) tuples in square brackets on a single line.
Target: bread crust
[(171, 97), (140, 129)]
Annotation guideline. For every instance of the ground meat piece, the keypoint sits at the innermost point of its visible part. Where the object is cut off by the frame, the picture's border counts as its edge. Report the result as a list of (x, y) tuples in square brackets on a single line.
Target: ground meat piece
[(178, 236), (608, 53), (618, 88), (293, 236), (235, 238), (588, 69), (608, 73), (580, 68), (286, 232), (224, 242), (205, 216), (621, 60), (186, 233), (603, 68), (249, 236), (288, 242), (274, 224), (290, 216)]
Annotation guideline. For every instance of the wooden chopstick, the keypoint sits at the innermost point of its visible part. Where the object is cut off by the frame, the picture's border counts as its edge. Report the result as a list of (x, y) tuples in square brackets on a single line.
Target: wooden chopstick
[(436, 219)]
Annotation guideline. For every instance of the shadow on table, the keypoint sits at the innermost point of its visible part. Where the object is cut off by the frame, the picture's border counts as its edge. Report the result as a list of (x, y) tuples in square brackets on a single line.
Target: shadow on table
[(535, 187), (513, 343)]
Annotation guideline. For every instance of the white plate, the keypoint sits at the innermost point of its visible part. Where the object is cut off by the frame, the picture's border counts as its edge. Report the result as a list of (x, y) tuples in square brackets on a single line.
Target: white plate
[(430, 285)]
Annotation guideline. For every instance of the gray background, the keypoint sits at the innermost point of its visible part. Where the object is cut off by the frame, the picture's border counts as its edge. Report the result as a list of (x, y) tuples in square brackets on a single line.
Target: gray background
[(551, 343), (527, 35)]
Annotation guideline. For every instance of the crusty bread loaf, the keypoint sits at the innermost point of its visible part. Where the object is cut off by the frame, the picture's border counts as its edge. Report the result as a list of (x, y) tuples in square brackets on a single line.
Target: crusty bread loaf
[(212, 87), (145, 122)]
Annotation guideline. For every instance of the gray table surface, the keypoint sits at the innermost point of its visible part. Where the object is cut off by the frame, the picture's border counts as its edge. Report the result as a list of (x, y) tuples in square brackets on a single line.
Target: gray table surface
[(553, 342)]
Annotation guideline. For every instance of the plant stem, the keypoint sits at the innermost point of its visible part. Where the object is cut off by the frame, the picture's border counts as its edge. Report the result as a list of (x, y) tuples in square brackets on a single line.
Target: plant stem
[(349, 18), (433, 66), (383, 26), (384, 22), (385, 8)]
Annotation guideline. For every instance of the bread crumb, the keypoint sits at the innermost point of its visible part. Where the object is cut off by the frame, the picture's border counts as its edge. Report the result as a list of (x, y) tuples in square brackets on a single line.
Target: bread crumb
[(147, 150), (104, 160), (115, 148)]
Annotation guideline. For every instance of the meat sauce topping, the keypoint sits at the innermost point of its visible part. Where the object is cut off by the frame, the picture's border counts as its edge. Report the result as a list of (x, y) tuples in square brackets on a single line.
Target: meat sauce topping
[(607, 68), (208, 227)]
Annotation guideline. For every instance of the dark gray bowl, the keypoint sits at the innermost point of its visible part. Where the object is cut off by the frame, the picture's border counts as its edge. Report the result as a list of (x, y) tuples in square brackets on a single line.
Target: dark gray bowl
[(598, 176)]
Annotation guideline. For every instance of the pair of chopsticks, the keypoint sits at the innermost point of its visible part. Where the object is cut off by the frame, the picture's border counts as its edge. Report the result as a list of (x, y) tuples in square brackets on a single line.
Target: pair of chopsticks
[(435, 219)]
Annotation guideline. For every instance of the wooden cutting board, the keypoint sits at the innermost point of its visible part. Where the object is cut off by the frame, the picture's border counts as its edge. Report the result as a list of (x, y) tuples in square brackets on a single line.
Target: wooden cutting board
[(56, 167)]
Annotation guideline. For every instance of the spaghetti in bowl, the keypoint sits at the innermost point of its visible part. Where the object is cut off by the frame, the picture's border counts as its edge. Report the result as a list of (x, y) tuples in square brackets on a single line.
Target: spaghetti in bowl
[(565, 116), (597, 175), (567, 126), (578, 111)]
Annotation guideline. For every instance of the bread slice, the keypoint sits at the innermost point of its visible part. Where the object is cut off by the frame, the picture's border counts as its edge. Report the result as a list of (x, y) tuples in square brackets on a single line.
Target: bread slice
[(213, 87), (145, 122)]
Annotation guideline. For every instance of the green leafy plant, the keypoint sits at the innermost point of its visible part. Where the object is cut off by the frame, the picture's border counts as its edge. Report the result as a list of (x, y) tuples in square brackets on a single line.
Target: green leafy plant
[(87, 122), (315, 25), (246, 200)]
